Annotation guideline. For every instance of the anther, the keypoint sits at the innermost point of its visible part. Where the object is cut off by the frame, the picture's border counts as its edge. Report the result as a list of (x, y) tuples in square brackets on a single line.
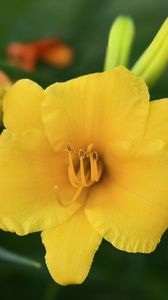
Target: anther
[(81, 154), (69, 147), (95, 155)]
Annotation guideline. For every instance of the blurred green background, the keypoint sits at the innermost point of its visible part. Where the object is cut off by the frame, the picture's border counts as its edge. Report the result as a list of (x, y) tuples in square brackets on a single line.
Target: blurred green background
[(84, 25)]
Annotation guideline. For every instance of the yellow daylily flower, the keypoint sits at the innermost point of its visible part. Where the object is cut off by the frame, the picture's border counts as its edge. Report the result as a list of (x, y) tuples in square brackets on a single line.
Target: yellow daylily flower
[(84, 160)]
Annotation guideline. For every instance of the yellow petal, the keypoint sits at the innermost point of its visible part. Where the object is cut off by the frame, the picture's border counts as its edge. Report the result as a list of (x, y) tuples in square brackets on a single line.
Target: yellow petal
[(95, 109), (143, 170), (157, 125), (22, 106), (125, 219), (70, 249), (31, 182)]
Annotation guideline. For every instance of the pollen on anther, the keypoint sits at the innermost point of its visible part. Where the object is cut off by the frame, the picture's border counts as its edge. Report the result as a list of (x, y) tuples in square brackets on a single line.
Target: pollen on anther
[(69, 147), (95, 155), (81, 153)]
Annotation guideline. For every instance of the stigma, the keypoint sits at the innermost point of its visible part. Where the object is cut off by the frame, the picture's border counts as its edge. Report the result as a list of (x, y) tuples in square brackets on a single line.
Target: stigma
[(84, 167)]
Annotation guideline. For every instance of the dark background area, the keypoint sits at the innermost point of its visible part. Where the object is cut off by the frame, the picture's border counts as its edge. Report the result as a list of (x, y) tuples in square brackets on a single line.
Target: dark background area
[(84, 25)]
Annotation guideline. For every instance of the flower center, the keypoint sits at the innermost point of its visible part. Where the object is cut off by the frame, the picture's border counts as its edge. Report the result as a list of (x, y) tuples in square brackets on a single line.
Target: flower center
[(85, 168)]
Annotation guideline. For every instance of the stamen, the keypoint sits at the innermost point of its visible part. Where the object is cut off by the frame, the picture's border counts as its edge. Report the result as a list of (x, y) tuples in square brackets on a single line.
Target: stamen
[(74, 198), (88, 173), (94, 167), (81, 154), (71, 170), (79, 190)]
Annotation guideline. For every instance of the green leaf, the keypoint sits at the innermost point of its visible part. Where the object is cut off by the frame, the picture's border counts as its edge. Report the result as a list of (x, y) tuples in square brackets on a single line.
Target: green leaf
[(7, 255)]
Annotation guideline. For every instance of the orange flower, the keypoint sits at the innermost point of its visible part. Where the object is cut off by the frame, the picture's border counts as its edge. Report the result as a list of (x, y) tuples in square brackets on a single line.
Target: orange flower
[(52, 51)]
